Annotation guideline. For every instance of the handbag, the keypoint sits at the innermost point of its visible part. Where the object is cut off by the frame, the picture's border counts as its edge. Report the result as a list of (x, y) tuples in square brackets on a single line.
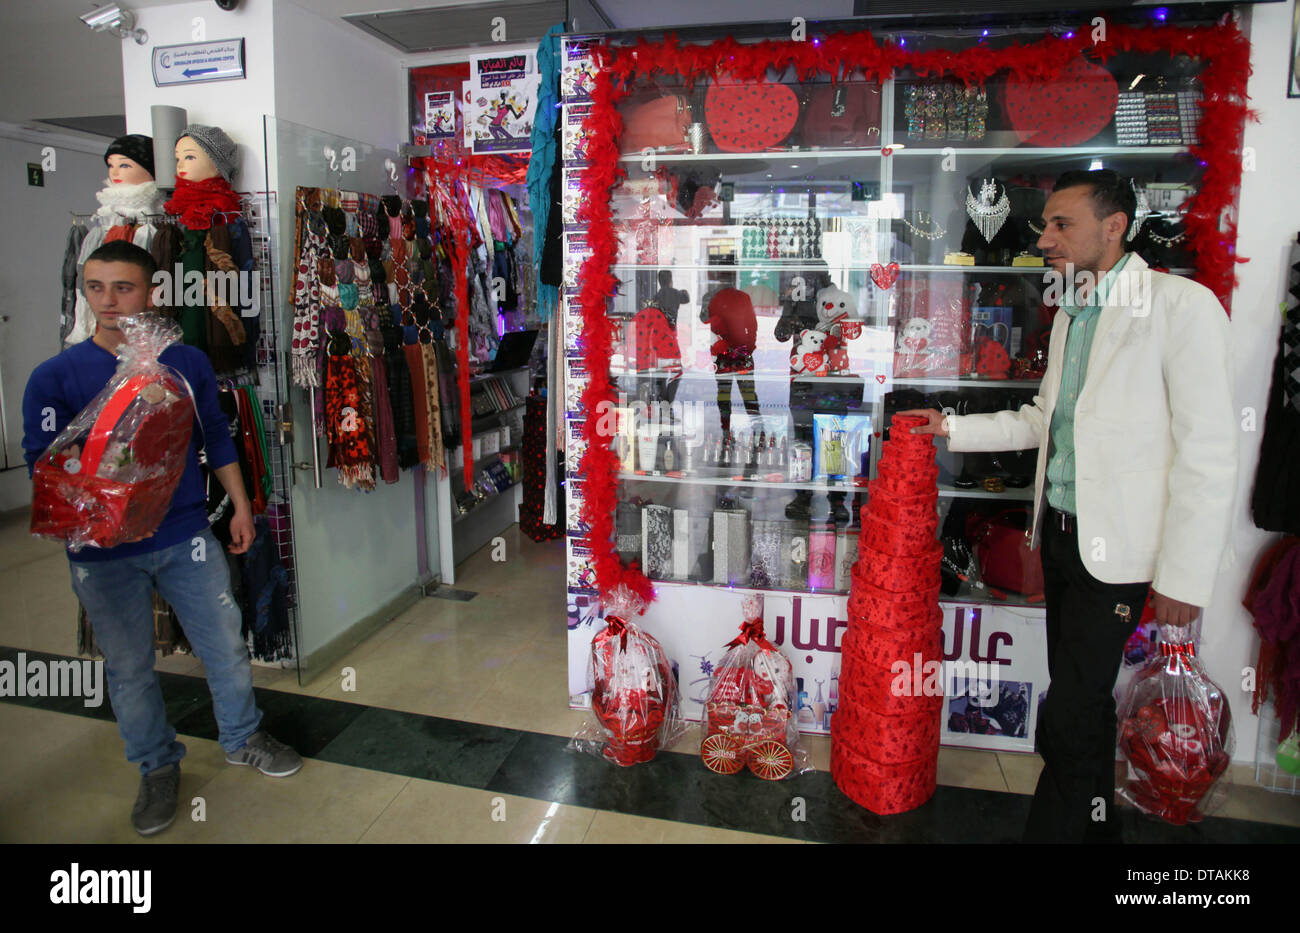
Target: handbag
[(846, 114), (660, 123), (1006, 561)]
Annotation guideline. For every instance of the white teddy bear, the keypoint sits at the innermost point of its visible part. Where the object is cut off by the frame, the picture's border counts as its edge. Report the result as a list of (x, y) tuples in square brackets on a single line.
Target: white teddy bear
[(810, 344), (915, 336), (834, 305)]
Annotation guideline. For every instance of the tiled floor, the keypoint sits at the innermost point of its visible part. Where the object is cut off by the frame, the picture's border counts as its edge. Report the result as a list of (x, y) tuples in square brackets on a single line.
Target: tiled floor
[(495, 665)]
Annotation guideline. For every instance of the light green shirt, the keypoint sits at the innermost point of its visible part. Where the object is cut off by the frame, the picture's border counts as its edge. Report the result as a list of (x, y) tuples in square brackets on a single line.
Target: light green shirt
[(1078, 345)]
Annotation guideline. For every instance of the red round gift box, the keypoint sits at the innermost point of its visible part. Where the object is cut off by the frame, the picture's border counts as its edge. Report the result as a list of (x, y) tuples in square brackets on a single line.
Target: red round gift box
[(882, 647), (899, 612), (900, 540), (909, 452), (896, 573), (901, 510), (886, 739), (905, 423), (904, 479), (884, 788), (870, 687)]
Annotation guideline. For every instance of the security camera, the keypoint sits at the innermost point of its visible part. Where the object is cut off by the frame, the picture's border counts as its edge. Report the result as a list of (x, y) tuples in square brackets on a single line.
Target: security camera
[(112, 18), (227, 5)]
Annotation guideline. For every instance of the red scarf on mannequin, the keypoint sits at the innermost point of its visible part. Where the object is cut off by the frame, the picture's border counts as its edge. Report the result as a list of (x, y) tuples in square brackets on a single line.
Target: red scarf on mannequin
[(196, 202)]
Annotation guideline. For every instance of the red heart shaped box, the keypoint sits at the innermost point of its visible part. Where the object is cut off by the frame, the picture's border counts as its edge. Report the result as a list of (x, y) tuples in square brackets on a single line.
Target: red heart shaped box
[(908, 479), (884, 647), (901, 540), (886, 739), (1067, 111), (898, 612), (750, 117), (901, 510), (884, 788), (896, 573)]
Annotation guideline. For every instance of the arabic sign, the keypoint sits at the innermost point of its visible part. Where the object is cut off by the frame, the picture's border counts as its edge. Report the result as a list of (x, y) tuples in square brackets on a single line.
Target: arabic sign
[(196, 62)]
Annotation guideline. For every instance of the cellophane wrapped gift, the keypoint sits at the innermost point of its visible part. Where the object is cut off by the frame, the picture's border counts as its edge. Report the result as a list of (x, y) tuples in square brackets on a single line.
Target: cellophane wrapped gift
[(748, 718), (1175, 733), (110, 475), (634, 696)]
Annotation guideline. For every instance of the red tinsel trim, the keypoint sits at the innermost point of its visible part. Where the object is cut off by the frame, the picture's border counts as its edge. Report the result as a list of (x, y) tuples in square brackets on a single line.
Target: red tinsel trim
[(1223, 47)]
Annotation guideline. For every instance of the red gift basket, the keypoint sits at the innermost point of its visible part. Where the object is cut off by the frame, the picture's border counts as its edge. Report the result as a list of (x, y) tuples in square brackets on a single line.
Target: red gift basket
[(1176, 735), (109, 477), (747, 717), (634, 699)]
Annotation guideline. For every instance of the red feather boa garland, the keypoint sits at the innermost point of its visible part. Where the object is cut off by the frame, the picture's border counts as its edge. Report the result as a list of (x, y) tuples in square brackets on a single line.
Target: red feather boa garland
[(1210, 224)]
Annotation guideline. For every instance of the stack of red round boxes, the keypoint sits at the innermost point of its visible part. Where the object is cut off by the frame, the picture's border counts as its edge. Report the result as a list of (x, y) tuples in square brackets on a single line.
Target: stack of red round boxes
[(885, 731)]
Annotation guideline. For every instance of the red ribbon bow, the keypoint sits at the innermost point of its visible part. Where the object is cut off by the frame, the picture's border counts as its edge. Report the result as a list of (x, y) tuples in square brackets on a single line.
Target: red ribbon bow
[(752, 631), (614, 625), (1179, 656)]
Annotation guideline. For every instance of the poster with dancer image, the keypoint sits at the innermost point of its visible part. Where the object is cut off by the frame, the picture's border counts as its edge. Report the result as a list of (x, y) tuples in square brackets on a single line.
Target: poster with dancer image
[(501, 102)]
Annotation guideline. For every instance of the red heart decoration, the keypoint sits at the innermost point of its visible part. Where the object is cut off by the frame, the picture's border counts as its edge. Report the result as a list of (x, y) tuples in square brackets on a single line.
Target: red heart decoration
[(880, 377), (812, 362), (750, 117), (1067, 111), (884, 276)]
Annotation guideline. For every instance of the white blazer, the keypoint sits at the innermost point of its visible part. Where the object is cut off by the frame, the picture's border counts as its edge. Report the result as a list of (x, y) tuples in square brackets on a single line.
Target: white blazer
[(1155, 435)]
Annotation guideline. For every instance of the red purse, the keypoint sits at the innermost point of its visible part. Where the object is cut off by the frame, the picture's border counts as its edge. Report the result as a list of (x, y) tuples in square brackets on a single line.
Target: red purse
[(1006, 561), (661, 123)]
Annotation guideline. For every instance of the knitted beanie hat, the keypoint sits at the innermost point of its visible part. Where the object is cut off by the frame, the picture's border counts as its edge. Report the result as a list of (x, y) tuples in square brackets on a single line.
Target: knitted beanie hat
[(221, 149), (137, 148)]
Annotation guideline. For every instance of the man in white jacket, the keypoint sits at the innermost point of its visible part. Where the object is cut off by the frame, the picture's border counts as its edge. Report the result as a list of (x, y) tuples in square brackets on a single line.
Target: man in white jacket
[(1137, 460)]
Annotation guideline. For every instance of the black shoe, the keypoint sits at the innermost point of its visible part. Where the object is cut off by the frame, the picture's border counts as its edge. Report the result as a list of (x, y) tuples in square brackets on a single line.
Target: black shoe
[(155, 805), (800, 507)]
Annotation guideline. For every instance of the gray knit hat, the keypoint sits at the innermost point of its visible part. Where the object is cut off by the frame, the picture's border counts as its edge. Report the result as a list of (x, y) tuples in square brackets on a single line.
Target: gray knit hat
[(221, 149)]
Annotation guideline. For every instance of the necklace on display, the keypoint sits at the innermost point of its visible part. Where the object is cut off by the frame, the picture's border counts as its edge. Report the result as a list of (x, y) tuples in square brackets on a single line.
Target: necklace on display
[(935, 232), (989, 212), (1166, 240)]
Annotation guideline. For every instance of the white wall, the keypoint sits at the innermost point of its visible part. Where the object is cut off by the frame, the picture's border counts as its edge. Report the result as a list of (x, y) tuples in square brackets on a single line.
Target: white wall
[(235, 106), (30, 286), (1269, 220), (331, 77)]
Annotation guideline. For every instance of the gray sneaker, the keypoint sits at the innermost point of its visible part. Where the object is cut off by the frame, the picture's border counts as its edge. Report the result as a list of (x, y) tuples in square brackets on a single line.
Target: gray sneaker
[(267, 754), (155, 806)]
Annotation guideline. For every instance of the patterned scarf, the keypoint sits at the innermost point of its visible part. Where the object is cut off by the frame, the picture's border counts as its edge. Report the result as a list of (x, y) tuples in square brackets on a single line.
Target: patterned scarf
[(306, 308), (437, 455), (348, 421)]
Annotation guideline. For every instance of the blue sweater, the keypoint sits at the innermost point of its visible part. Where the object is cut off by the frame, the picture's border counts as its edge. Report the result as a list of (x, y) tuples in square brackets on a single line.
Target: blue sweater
[(66, 383)]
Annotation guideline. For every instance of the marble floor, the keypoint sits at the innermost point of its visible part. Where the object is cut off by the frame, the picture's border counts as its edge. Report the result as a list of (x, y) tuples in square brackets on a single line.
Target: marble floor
[(456, 732)]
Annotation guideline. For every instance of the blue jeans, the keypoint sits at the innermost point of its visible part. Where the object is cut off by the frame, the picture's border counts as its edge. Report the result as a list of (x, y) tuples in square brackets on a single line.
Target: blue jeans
[(195, 581)]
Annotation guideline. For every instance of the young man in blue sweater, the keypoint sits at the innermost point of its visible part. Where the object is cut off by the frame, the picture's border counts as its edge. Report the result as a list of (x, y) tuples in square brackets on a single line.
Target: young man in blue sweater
[(181, 559)]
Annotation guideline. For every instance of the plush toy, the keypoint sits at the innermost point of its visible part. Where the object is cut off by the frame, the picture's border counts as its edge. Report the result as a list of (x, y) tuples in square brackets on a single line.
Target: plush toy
[(730, 314), (837, 318), (915, 336), (809, 357)]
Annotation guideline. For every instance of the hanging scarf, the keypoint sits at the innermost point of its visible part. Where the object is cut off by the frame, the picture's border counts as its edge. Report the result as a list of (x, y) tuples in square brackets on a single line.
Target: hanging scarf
[(193, 315), (384, 430), (199, 203), (420, 395), (437, 455), (347, 418), (306, 305), (542, 161)]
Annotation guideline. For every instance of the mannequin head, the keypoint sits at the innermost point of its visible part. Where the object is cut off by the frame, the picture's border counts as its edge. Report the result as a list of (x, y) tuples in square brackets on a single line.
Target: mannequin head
[(192, 162), (205, 152), (130, 160)]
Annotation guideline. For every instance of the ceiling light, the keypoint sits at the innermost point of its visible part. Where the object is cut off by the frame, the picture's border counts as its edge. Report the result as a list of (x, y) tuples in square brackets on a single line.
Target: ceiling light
[(112, 18)]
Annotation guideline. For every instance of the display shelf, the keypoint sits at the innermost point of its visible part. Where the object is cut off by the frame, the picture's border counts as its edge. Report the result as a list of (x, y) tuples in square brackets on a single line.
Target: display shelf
[(461, 516), (970, 382), (738, 588), (796, 264), (1025, 494), (484, 377), (969, 595), (848, 379), (1034, 153), (814, 487), (502, 411)]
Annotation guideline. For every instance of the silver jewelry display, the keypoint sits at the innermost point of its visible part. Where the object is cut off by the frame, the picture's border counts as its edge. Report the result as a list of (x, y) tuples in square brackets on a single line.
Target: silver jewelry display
[(1142, 212), (989, 214)]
